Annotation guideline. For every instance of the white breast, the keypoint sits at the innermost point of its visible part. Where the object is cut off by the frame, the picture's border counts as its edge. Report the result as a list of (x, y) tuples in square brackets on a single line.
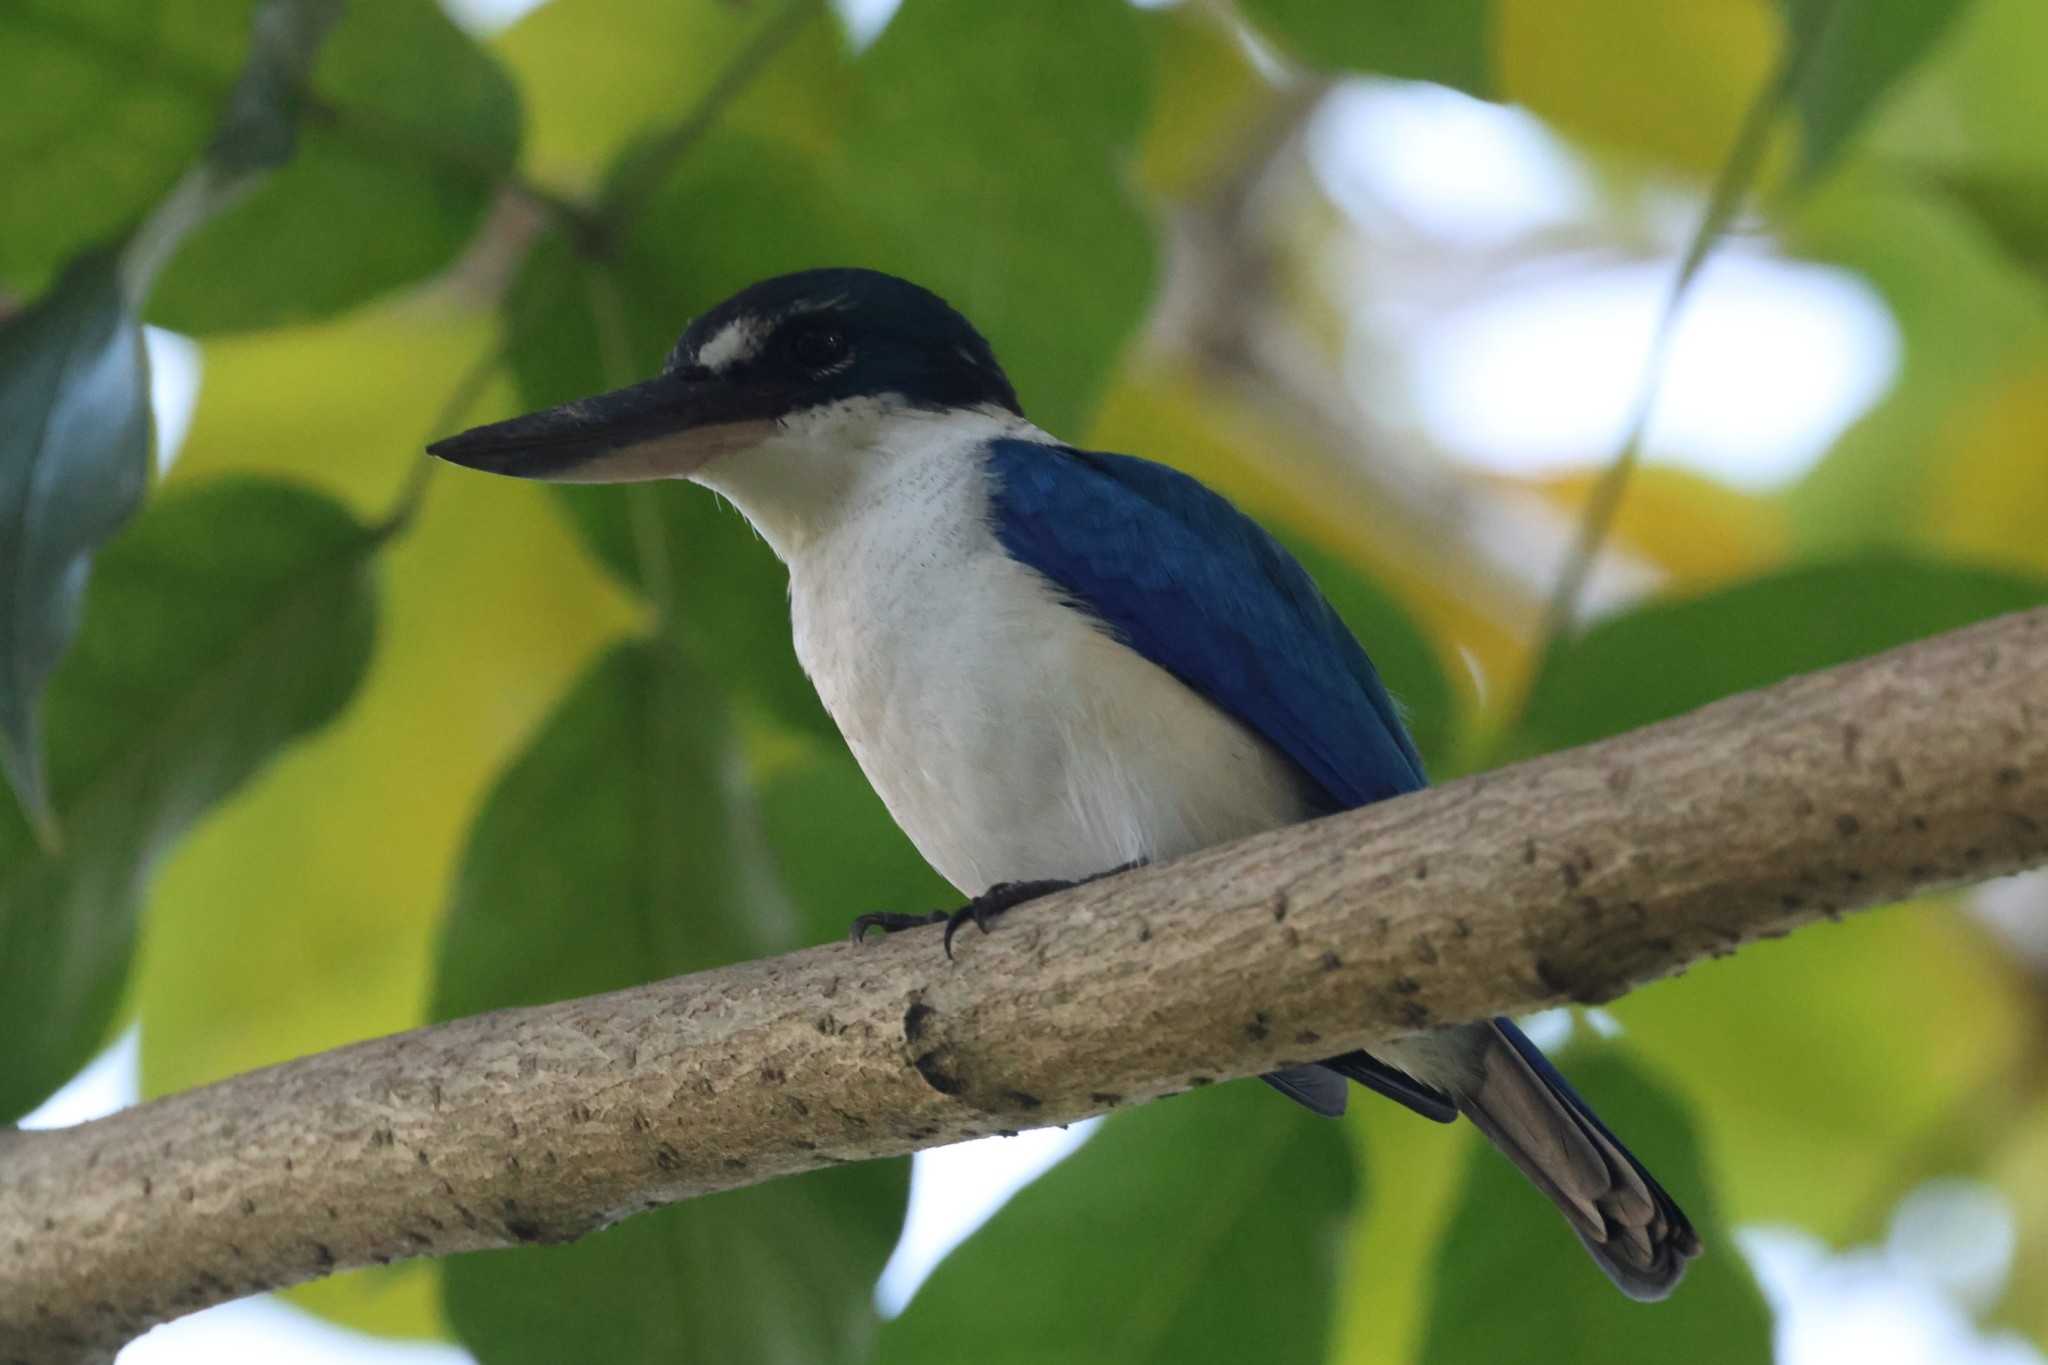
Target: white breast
[(1009, 735)]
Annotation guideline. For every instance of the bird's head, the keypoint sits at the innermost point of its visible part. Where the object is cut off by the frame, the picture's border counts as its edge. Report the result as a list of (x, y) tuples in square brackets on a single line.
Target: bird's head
[(778, 393)]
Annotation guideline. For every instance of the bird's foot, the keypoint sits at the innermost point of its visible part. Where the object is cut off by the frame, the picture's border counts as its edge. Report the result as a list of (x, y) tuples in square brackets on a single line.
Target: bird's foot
[(889, 921), (982, 910)]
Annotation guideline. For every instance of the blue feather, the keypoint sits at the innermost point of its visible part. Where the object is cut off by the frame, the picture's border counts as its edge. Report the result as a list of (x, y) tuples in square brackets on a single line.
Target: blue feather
[(1185, 579)]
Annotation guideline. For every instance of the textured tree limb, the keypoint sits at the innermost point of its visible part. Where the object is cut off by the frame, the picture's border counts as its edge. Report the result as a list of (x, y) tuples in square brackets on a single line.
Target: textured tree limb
[(1573, 877)]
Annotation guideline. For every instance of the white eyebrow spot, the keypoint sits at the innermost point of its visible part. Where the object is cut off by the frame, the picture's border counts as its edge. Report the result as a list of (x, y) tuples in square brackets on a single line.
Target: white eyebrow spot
[(737, 341)]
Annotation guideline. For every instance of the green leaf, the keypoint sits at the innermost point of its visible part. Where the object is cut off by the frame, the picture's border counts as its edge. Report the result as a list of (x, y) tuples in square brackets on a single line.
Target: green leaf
[(619, 849), (775, 1273), (1847, 1115), (1865, 48), (108, 100), (730, 595), (411, 129), (605, 855), (1203, 1228), (1513, 1284), (228, 621), (2011, 206), (74, 462), (839, 852), (1446, 41), (1668, 657)]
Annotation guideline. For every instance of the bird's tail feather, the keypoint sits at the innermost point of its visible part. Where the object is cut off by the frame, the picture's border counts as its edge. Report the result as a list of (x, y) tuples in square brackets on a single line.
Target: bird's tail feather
[(1634, 1230)]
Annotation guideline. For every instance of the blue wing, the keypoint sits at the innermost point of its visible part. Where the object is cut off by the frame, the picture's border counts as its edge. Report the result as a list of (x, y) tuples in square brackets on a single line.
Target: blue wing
[(1197, 587)]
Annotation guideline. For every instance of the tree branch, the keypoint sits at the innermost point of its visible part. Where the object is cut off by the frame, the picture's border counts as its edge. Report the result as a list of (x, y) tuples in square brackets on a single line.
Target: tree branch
[(1573, 877)]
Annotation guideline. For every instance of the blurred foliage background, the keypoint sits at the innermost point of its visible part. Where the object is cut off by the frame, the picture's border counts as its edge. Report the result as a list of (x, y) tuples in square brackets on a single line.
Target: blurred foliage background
[(310, 742)]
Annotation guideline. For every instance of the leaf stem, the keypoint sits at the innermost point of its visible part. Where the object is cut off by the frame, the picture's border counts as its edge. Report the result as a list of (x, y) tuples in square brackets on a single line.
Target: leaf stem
[(257, 134), (1731, 187), (469, 387), (615, 355), (628, 196)]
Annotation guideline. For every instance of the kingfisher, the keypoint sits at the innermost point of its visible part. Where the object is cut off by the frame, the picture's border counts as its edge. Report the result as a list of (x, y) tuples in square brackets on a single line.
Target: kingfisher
[(1055, 663)]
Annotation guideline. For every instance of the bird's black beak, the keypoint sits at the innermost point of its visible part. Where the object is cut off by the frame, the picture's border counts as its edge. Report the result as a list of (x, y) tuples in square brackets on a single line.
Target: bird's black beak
[(666, 428)]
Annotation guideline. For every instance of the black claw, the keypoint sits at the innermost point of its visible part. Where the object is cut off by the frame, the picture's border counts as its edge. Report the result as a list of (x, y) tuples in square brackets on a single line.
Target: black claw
[(973, 910), (889, 921), (988, 906)]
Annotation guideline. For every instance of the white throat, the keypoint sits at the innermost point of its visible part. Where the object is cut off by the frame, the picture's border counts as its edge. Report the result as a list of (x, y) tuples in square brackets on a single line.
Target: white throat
[(831, 465)]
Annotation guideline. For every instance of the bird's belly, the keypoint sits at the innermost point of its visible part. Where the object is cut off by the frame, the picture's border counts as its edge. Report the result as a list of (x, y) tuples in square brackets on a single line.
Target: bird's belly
[(1012, 739)]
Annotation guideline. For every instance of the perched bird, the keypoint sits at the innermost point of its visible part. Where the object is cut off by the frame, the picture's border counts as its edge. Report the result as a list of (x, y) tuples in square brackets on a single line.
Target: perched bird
[(1053, 663)]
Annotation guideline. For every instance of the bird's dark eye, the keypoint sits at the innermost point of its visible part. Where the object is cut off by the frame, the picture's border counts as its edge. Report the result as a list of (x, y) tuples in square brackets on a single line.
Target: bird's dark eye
[(818, 347)]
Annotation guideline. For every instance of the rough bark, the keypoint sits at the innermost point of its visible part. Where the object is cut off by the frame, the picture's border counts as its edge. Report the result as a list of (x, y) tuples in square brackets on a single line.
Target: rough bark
[(1574, 877)]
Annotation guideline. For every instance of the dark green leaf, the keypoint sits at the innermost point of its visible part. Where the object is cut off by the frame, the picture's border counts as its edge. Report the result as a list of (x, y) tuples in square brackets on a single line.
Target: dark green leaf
[(226, 622), (729, 593), (839, 852), (1669, 657), (1512, 1283), (620, 848), (409, 130), (1865, 47), (1446, 41), (782, 1272), (605, 856), (1204, 1228), (1406, 661), (2011, 206), (74, 461)]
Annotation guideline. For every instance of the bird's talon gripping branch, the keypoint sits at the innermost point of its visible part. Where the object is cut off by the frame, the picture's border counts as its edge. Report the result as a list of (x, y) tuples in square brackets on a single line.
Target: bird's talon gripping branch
[(889, 921), (975, 910), (981, 910)]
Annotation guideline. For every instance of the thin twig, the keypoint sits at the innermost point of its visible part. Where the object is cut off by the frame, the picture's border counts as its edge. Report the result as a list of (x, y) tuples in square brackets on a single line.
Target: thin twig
[(628, 197), (469, 387), (1731, 187)]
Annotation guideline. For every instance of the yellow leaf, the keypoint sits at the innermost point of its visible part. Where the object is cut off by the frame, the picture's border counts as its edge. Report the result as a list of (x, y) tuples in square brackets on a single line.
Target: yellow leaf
[(1668, 83), (1411, 1171), (1208, 101), (1697, 530), (2020, 1155), (1988, 489)]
